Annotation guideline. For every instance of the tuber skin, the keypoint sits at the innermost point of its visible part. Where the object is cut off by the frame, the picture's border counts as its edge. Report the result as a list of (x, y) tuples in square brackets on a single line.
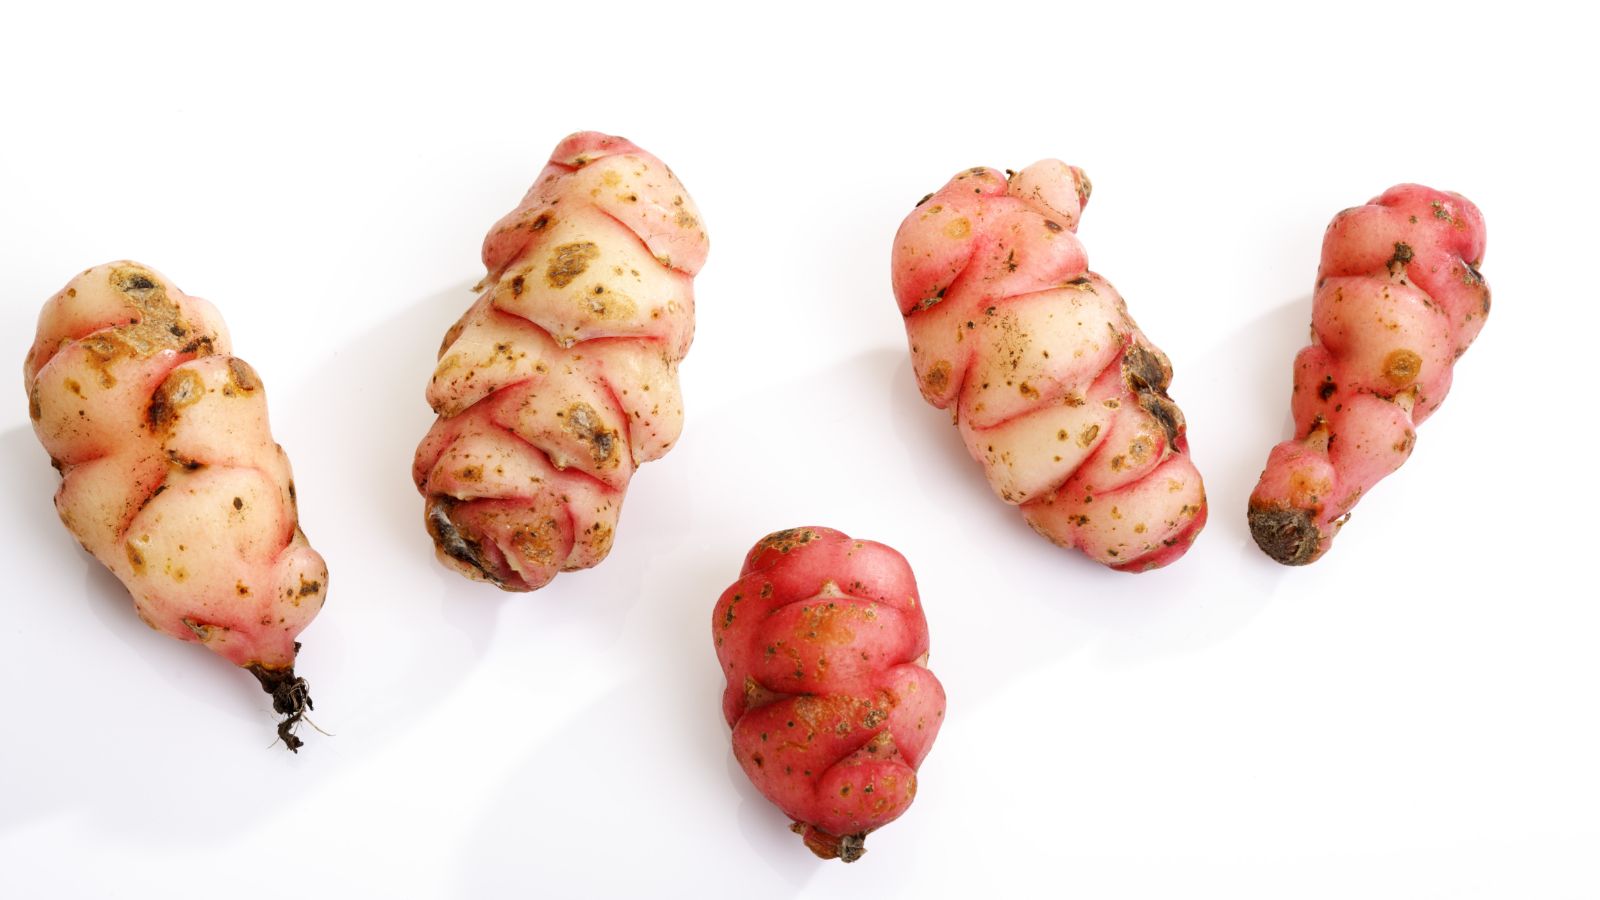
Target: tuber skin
[(1399, 299), (563, 376), (169, 473), (825, 648), (1057, 393)]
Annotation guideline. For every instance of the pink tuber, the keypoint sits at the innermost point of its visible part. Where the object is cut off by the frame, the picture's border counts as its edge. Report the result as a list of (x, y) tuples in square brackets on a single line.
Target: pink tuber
[(825, 648), (1055, 390), (1398, 300)]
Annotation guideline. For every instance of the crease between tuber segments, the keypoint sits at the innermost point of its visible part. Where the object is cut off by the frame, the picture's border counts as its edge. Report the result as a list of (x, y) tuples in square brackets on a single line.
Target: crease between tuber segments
[(824, 646), (1054, 389), (1399, 299), (563, 377), (169, 473)]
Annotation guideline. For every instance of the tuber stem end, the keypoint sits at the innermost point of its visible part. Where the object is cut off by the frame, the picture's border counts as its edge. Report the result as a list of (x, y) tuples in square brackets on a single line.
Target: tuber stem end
[(291, 698)]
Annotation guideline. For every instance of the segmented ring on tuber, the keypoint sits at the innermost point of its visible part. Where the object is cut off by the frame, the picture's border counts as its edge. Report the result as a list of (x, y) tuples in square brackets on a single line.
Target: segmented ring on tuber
[(1399, 299), (825, 647), (1057, 393), (169, 473), (563, 376)]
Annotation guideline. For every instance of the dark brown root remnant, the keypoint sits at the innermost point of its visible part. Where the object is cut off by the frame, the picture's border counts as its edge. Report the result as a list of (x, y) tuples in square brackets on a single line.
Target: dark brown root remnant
[(291, 698), (452, 542), (843, 847), (1289, 536)]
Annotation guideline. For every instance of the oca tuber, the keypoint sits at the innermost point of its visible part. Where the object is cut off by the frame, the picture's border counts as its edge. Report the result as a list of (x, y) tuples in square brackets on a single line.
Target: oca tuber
[(169, 474), (563, 376), (1055, 390), (1398, 300), (825, 648)]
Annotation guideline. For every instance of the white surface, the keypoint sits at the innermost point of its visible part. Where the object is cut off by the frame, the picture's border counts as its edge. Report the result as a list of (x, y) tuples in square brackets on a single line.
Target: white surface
[(1414, 716)]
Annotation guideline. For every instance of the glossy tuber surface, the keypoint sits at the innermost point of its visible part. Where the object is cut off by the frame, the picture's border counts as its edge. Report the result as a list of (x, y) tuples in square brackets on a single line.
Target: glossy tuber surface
[(1399, 299), (563, 377), (825, 646), (1057, 393), (169, 473)]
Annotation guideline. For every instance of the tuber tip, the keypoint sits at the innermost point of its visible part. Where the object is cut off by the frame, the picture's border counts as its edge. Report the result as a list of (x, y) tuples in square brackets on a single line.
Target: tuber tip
[(843, 847), (1288, 535)]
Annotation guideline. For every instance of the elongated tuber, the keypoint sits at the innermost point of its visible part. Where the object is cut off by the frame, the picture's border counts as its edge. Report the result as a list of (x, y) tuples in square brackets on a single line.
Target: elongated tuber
[(1057, 393), (825, 647), (1399, 299), (169, 474), (563, 376)]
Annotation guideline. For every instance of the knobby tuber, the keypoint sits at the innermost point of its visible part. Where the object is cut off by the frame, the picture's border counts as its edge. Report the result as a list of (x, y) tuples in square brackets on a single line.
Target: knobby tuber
[(825, 647), (1398, 300), (563, 376), (1057, 393), (169, 473)]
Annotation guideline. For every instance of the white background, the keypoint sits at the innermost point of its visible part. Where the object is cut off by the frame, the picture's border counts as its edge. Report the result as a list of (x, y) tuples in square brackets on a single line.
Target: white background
[(1413, 716)]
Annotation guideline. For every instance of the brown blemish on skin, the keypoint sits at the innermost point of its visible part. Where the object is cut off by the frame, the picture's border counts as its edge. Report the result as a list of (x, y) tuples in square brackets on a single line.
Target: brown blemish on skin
[(181, 389), (786, 540), (238, 503), (135, 558), (1401, 367), (938, 377), (241, 378), (471, 473), (157, 326), (958, 228), (568, 261), (539, 543), (1087, 436), (307, 588), (582, 422)]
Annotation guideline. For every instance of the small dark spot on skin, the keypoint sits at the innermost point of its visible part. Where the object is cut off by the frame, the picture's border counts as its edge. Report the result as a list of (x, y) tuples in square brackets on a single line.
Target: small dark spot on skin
[(759, 760), (1053, 226), (307, 588), (844, 791), (517, 284), (925, 199), (1402, 255), (238, 503), (1327, 389), (134, 281), (291, 490)]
